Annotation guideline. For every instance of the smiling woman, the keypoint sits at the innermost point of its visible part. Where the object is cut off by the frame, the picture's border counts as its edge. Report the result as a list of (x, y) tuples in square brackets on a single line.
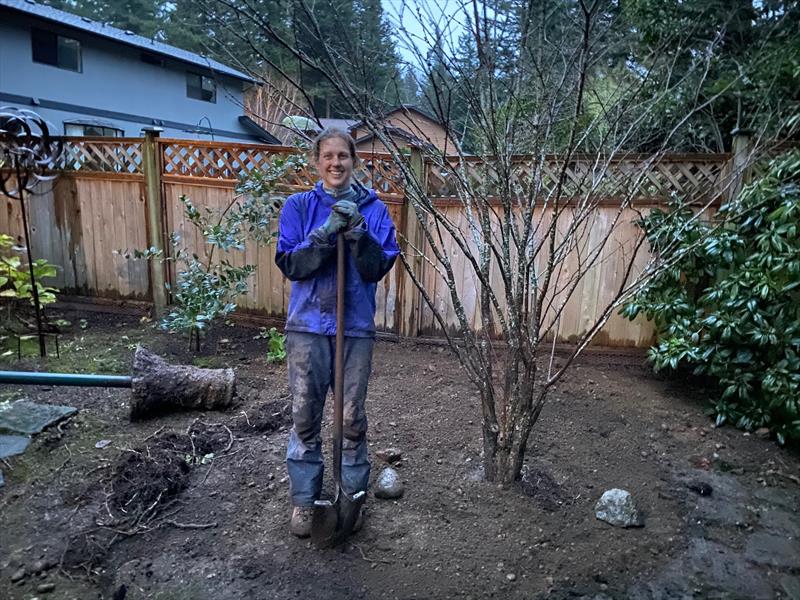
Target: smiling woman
[(335, 157), (310, 223)]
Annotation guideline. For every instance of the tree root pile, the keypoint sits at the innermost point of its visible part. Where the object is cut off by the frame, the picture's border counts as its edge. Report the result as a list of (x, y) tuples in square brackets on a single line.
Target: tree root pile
[(143, 488)]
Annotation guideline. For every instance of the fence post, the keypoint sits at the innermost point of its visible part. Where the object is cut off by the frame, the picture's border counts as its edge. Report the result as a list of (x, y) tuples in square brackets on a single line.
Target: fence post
[(151, 165), (741, 167), (411, 235)]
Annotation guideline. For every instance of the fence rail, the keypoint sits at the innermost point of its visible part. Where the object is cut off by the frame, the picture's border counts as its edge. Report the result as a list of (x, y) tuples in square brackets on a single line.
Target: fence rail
[(100, 203)]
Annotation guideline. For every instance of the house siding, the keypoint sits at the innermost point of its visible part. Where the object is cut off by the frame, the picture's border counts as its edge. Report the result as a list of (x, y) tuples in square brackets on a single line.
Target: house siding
[(115, 87)]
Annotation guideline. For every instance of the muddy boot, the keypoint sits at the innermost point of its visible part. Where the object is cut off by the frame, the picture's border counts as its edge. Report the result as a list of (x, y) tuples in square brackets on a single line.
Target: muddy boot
[(301, 521)]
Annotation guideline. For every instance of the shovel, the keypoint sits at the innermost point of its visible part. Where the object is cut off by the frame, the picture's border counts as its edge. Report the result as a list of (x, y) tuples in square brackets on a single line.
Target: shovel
[(334, 519)]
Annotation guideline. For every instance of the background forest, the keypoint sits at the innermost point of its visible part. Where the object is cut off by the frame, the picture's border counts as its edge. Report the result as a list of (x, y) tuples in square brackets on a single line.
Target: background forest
[(754, 72)]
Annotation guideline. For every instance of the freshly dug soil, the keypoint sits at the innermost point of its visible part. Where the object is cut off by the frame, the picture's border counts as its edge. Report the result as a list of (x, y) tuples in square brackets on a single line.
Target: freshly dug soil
[(720, 507)]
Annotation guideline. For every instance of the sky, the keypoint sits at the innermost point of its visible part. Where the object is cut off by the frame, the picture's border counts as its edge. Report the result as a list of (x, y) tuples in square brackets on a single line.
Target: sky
[(419, 19)]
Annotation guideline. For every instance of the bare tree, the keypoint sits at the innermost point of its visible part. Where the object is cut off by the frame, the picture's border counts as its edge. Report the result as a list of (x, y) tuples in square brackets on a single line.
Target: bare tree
[(555, 104)]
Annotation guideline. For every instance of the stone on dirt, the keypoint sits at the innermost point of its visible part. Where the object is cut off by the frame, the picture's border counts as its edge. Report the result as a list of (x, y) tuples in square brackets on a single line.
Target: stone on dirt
[(11, 445), (389, 455), (46, 588), (18, 575), (617, 507), (388, 486), (24, 416)]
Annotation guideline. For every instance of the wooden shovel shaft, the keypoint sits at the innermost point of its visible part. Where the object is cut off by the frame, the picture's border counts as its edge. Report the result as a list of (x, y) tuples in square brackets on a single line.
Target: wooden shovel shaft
[(338, 385)]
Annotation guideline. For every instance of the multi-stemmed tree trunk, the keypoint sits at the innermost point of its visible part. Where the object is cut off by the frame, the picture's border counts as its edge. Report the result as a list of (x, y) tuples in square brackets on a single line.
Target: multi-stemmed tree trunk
[(552, 102)]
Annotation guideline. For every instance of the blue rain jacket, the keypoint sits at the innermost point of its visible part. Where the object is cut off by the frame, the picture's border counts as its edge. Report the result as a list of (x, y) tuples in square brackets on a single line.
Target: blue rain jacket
[(307, 257)]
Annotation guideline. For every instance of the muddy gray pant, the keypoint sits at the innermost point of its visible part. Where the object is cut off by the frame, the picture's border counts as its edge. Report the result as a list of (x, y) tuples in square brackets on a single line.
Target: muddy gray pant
[(310, 359)]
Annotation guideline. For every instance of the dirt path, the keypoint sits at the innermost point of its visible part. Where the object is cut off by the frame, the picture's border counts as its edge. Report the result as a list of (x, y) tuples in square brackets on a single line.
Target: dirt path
[(222, 531)]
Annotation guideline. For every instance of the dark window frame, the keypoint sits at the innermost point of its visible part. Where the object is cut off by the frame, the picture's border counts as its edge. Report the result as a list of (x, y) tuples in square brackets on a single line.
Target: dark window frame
[(104, 129), (50, 48), (197, 90)]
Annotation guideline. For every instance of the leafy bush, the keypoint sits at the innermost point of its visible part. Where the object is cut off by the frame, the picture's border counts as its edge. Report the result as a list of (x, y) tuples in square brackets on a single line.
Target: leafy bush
[(729, 304), (15, 278), (206, 290), (276, 344)]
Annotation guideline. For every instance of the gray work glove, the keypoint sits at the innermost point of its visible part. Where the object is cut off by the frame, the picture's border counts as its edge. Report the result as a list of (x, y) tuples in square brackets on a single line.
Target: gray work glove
[(335, 223), (349, 210)]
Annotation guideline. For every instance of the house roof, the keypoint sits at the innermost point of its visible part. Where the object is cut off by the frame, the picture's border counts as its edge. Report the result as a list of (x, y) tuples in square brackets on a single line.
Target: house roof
[(400, 133), (400, 108), (343, 124), (257, 130), (47, 13)]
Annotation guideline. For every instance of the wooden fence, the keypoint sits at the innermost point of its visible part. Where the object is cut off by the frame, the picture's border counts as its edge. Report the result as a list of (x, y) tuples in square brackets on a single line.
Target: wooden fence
[(99, 204)]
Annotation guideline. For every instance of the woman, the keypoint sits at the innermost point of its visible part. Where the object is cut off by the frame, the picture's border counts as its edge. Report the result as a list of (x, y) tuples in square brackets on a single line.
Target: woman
[(306, 254)]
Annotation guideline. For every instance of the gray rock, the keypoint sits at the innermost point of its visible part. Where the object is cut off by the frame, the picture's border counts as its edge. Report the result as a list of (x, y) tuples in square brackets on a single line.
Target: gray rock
[(13, 444), (773, 550), (617, 507), (24, 416), (18, 575), (46, 588), (388, 486), (389, 455)]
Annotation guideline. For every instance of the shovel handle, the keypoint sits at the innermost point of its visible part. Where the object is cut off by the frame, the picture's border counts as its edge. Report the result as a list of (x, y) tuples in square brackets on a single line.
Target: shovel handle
[(338, 381)]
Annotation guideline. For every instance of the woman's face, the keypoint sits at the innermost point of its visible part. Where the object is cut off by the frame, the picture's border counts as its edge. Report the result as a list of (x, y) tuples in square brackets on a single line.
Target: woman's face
[(335, 165)]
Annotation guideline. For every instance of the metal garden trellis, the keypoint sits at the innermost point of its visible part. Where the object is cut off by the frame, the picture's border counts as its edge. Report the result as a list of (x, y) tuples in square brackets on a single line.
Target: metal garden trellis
[(27, 152)]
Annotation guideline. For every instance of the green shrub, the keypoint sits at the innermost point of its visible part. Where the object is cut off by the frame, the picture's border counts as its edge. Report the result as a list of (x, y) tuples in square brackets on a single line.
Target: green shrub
[(276, 344), (206, 290), (728, 305), (15, 278)]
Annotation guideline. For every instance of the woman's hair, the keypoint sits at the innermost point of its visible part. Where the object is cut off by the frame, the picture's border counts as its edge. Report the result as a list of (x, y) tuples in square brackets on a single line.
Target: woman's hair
[(329, 133)]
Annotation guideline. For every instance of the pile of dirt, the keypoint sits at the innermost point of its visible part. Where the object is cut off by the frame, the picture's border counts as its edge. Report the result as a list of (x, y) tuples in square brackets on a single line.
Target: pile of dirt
[(540, 485), (269, 417)]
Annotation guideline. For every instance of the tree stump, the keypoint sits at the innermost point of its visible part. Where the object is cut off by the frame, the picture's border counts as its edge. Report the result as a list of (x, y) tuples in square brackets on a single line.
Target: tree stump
[(158, 386)]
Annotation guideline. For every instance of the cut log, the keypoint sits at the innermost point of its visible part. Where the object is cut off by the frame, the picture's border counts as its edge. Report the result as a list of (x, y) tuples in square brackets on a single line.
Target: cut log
[(158, 386)]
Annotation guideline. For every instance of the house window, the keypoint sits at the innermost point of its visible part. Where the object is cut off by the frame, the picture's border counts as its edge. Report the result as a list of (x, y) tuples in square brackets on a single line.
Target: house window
[(201, 87), (57, 50), (82, 130)]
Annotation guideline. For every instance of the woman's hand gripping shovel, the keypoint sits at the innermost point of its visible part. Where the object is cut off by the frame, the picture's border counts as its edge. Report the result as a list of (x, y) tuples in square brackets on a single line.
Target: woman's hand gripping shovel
[(334, 519)]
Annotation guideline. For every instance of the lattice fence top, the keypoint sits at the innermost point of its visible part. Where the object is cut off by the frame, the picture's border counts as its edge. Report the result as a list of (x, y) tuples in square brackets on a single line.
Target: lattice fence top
[(691, 176), (231, 162), (687, 176), (109, 155)]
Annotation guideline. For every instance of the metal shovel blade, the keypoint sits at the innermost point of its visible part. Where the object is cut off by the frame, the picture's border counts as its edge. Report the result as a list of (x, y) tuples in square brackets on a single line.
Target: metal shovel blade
[(333, 521)]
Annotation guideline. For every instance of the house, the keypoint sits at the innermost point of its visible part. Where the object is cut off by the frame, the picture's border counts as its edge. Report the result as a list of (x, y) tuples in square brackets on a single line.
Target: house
[(90, 79), (408, 125)]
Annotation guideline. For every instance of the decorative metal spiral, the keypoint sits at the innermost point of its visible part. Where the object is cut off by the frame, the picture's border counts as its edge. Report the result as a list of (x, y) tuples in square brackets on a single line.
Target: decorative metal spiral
[(27, 149)]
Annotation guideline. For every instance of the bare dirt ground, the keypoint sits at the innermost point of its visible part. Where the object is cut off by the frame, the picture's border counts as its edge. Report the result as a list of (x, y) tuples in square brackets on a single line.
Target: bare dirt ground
[(195, 506)]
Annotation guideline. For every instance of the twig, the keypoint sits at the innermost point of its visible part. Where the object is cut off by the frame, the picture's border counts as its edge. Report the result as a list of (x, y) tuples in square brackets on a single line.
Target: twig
[(230, 442), (155, 433), (793, 478), (189, 525), (211, 466), (246, 419), (370, 560), (99, 468)]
